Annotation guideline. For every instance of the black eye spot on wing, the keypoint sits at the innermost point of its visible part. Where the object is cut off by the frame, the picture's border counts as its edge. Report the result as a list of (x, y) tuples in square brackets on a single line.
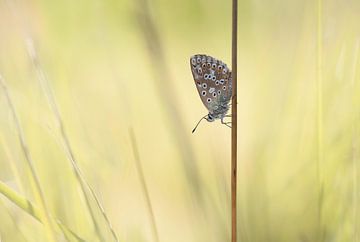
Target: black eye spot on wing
[(193, 61)]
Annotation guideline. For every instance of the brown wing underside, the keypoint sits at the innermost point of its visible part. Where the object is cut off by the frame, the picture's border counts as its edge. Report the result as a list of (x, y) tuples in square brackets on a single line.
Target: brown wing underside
[(212, 79)]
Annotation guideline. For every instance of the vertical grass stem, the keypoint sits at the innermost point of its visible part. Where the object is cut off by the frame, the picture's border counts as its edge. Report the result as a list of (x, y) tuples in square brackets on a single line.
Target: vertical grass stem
[(234, 123)]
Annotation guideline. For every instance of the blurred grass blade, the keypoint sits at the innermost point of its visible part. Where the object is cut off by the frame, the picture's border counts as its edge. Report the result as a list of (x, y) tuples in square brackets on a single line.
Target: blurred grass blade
[(355, 82), (13, 167), (34, 178), (320, 152), (51, 101), (34, 211), (167, 94), (143, 185), (66, 142)]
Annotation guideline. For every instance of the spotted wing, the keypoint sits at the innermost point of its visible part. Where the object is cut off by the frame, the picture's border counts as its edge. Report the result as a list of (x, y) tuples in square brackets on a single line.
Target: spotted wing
[(212, 79)]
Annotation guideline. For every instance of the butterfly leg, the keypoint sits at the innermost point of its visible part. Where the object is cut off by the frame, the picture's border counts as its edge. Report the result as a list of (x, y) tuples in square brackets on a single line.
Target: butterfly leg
[(226, 123)]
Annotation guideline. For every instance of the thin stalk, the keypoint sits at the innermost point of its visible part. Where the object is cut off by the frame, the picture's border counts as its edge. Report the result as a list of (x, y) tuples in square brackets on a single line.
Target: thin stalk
[(234, 123), (38, 190), (144, 186), (320, 152), (34, 211)]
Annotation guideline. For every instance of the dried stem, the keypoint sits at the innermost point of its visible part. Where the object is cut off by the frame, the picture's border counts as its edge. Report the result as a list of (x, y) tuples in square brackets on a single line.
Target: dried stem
[(234, 123), (144, 186)]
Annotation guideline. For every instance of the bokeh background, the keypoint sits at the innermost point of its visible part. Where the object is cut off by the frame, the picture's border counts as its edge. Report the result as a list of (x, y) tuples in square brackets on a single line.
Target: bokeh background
[(103, 88)]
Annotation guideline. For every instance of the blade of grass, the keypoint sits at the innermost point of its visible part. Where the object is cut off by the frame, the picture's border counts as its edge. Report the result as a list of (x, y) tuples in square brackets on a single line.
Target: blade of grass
[(234, 123), (143, 185), (34, 211), (34, 177)]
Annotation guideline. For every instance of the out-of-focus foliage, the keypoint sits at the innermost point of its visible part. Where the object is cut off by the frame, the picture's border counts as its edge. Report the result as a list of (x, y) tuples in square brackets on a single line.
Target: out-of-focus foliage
[(105, 81)]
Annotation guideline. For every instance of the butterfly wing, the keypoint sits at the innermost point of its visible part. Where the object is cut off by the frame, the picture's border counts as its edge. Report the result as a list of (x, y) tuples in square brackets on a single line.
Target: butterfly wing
[(213, 81)]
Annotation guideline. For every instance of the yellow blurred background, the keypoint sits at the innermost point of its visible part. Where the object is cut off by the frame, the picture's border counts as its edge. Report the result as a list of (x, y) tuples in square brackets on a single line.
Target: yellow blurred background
[(118, 73)]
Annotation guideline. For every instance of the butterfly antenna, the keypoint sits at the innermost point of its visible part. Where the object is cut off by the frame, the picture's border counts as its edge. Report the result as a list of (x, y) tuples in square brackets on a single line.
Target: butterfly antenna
[(198, 124)]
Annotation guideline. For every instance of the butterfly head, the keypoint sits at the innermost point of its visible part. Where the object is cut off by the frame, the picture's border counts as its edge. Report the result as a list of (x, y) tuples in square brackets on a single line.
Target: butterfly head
[(210, 118)]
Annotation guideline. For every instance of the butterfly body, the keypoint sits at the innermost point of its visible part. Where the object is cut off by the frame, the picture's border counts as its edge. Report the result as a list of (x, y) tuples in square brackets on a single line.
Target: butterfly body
[(213, 81)]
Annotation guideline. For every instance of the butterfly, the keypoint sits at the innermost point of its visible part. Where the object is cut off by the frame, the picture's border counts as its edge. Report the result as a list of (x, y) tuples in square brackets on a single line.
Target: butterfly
[(213, 81)]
